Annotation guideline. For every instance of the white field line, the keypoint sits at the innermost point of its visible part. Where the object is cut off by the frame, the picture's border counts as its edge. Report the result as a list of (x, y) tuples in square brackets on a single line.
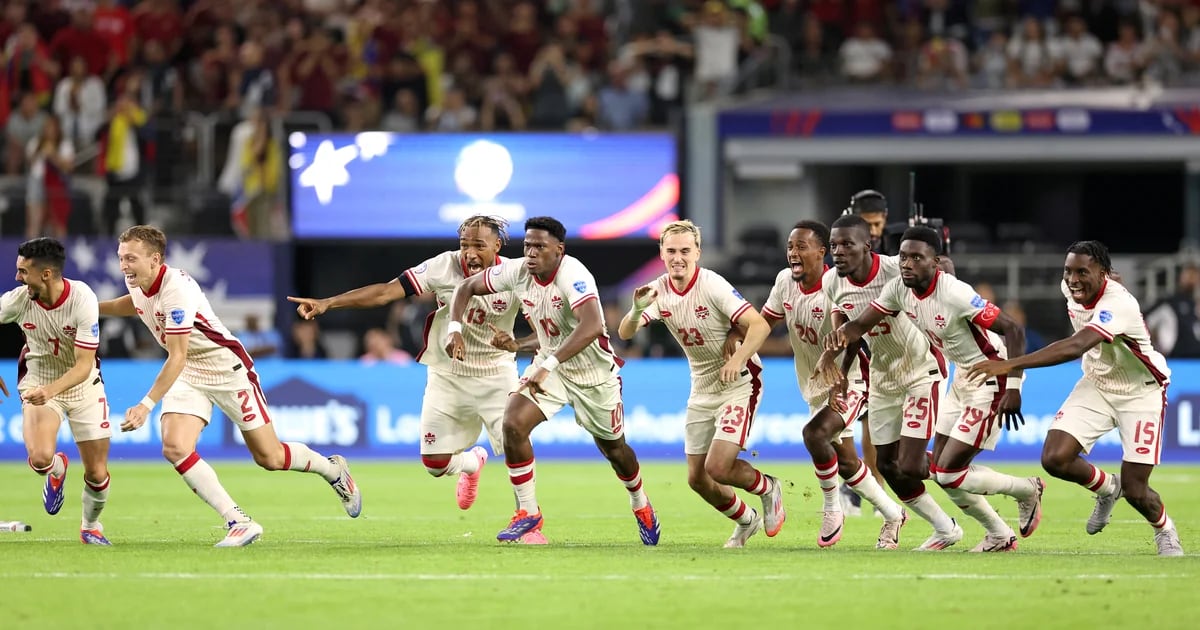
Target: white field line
[(616, 577)]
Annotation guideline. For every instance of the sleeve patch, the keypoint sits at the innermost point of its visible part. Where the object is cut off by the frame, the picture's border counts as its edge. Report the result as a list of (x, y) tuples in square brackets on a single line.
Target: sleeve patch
[(1104, 316), (580, 286), (177, 315)]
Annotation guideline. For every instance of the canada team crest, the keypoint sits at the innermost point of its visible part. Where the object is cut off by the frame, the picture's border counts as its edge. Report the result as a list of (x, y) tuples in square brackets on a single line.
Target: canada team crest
[(702, 312), (939, 321), (817, 313), (499, 305)]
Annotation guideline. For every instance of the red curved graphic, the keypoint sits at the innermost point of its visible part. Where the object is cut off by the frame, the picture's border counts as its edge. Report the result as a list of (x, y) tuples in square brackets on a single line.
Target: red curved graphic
[(641, 213)]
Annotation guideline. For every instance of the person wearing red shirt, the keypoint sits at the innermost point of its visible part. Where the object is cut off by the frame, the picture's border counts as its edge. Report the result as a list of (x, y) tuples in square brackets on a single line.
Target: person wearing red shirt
[(80, 39), (114, 24)]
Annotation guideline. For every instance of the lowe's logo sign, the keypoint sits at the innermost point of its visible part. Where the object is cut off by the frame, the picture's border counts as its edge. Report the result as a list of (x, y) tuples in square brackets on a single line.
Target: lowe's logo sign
[(303, 412), (1182, 425)]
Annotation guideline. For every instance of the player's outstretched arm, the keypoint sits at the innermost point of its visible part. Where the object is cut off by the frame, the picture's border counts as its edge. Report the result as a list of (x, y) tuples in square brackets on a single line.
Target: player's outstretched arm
[(1060, 351), (643, 297), (119, 307), (370, 296), (754, 330), (1014, 338), (84, 360), (472, 286), (136, 415)]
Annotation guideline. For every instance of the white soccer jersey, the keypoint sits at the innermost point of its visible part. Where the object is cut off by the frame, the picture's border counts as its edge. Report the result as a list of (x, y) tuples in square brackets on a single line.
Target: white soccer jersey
[(807, 317), (1125, 363), (699, 317), (175, 305), (550, 308), (901, 356), (954, 317), (52, 333), (440, 275)]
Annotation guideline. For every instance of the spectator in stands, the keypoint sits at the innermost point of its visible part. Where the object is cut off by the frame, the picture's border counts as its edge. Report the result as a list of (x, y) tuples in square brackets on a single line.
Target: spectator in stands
[(864, 56), (991, 62), (80, 103), (159, 20), (252, 84), (262, 183), (815, 59), (121, 156), (216, 69), (1031, 57), (23, 126), (503, 96), (619, 107), (1174, 322), (79, 39), (942, 64), (47, 190), (378, 347), (523, 39), (316, 67), (717, 38), (258, 341), (28, 69), (306, 341), (1079, 54), (550, 76), (162, 89), (1126, 57), (1165, 52), (114, 24), (453, 115), (666, 61), (404, 115)]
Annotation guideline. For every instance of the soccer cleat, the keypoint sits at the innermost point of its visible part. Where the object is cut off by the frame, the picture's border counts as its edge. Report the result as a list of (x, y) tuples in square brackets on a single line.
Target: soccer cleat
[(831, 529), (521, 524), (468, 483), (773, 513), (1029, 512), (742, 533), (997, 543), (851, 502), (533, 538), (240, 534), (941, 540), (889, 534), (647, 522), (1167, 539), (1104, 507), (345, 487), (94, 536), (52, 492)]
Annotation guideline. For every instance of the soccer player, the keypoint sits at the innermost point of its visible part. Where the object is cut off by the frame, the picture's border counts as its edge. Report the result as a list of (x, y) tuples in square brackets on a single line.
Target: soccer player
[(1124, 386), (967, 328), (574, 366), (59, 378), (699, 307), (206, 365), (461, 397), (906, 374), (797, 300)]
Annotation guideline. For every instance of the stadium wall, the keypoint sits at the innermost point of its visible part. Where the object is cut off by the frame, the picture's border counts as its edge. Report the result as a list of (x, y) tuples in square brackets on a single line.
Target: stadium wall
[(374, 411)]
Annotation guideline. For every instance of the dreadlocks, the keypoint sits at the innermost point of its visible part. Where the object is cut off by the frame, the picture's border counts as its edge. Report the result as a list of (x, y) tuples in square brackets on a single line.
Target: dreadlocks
[(496, 224), (1096, 250)]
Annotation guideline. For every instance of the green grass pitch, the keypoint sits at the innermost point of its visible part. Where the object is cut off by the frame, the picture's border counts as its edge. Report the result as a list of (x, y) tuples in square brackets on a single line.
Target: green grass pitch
[(415, 560)]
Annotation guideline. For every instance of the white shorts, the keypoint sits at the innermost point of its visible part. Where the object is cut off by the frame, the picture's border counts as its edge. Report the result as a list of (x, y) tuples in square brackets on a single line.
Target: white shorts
[(598, 408), (732, 410), (455, 409), (240, 398), (911, 413), (855, 402), (87, 416), (968, 414), (1089, 413)]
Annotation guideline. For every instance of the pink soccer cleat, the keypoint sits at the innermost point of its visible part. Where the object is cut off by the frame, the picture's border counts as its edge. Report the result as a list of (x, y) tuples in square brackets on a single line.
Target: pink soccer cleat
[(468, 483)]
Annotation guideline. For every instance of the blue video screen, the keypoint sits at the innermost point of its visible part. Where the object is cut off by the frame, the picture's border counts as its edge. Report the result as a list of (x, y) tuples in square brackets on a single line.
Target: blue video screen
[(378, 185)]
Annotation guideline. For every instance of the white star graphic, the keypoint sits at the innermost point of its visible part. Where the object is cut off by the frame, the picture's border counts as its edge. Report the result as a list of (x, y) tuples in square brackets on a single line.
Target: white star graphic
[(372, 144), (328, 170), (107, 290), (190, 260), (84, 256), (112, 267)]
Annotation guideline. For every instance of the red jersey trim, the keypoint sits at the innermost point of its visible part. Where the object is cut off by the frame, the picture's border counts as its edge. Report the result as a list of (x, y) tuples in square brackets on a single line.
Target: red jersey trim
[(771, 314), (1099, 294), (931, 288), (412, 278), (591, 296), (879, 307), (738, 313), (154, 288), (553, 274), (1108, 337), (62, 297), (870, 276), (691, 283)]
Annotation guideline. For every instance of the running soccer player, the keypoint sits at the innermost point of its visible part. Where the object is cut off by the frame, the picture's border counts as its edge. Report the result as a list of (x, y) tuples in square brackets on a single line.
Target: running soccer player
[(574, 366), (1124, 386), (461, 397), (699, 307), (967, 328), (58, 377), (906, 374), (798, 301), (206, 365)]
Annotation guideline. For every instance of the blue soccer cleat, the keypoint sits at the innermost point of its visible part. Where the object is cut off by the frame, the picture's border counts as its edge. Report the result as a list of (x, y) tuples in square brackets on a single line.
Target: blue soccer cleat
[(647, 522), (94, 537), (522, 523), (52, 492)]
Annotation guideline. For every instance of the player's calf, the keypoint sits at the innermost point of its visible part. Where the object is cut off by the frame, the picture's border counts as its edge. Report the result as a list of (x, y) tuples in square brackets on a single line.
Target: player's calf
[(436, 465)]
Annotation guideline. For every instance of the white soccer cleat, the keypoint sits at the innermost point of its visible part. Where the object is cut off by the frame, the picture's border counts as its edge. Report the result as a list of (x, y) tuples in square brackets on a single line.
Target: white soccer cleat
[(240, 534), (831, 529), (889, 534), (993, 543), (742, 533), (1167, 540), (941, 540), (1104, 507), (345, 487), (773, 513)]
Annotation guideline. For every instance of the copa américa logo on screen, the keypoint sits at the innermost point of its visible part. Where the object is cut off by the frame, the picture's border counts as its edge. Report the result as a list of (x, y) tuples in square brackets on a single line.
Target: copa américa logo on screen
[(483, 170)]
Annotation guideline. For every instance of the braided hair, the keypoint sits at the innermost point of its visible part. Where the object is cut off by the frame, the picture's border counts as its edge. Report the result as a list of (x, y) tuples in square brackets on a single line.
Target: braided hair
[(1096, 250), (496, 224)]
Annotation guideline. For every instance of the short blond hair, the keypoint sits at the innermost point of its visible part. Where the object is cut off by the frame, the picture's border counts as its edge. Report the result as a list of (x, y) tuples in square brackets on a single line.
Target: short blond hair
[(683, 226), (148, 234)]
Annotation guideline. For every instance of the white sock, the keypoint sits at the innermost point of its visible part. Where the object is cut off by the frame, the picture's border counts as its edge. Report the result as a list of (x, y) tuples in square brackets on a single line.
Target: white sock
[(1163, 521), (928, 509), (522, 478), (299, 457), (737, 510), (978, 508), (94, 497), (1102, 483), (464, 462), (983, 480), (762, 484), (58, 466), (827, 479), (202, 479), (637, 496), (863, 483)]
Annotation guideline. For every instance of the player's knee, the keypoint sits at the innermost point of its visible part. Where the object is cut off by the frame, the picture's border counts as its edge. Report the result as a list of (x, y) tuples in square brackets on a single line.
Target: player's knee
[(718, 471), (814, 433), (436, 465), (847, 468), (514, 430), (176, 452), (699, 481), (270, 461), (41, 459), (1055, 464), (889, 468), (947, 479), (916, 469)]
